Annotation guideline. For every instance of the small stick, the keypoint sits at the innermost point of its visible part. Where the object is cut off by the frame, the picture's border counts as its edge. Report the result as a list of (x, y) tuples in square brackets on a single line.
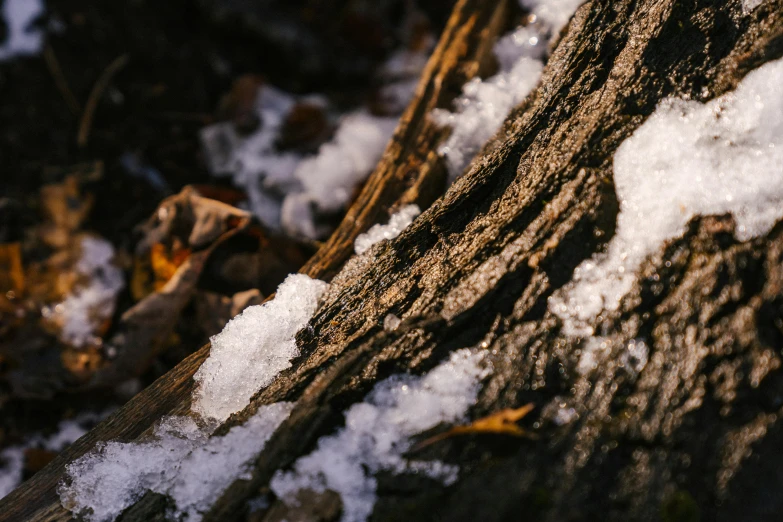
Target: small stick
[(60, 81), (95, 95)]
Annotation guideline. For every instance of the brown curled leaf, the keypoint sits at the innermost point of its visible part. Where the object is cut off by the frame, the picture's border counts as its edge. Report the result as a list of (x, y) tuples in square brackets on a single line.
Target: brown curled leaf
[(178, 238)]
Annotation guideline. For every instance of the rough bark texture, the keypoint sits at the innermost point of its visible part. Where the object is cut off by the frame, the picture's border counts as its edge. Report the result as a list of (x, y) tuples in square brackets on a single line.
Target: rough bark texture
[(693, 436)]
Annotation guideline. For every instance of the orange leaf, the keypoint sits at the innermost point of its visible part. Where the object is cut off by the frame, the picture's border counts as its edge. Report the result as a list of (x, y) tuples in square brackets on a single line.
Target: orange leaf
[(502, 422), (11, 274), (165, 264)]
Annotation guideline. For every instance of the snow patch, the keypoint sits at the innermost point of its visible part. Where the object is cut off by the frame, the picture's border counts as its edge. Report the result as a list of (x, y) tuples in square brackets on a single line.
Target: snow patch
[(635, 356), (22, 39), (593, 351), (254, 347), (481, 110), (253, 162), (561, 412), (400, 77), (391, 322), (750, 5), (377, 433), (555, 13), (288, 190), (180, 461), (484, 104), (11, 468), (329, 178), (84, 311), (398, 222), (68, 431), (687, 159)]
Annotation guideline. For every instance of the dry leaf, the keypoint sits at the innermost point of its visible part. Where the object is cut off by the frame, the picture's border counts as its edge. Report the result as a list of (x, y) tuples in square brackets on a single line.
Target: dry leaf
[(178, 240), (11, 272), (165, 262), (502, 422), (82, 363), (65, 208)]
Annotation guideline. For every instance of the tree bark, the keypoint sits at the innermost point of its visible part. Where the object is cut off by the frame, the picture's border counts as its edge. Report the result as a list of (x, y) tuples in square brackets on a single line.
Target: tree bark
[(693, 436)]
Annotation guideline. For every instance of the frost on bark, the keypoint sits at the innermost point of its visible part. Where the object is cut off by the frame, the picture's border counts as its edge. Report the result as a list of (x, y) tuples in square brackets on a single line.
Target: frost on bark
[(692, 433)]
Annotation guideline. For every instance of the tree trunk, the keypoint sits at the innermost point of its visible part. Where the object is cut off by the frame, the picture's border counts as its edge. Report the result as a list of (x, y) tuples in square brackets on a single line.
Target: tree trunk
[(693, 436)]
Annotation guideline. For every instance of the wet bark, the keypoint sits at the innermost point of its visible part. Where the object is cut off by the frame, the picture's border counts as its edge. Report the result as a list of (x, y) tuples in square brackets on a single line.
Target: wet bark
[(693, 435)]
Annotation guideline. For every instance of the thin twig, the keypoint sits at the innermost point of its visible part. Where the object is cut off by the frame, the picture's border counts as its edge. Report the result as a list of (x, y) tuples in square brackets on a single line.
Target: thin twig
[(60, 81), (95, 95)]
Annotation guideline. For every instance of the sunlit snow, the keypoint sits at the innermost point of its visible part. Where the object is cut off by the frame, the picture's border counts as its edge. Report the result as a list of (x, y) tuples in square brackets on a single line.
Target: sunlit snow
[(378, 432), (687, 159)]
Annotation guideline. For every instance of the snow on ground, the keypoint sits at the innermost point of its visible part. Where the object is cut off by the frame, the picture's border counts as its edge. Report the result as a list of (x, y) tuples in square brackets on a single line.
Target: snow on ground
[(254, 347), (288, 190), (484, 104), (180, 461), (378, 432), (329, 178), (11, 468), (93, 300), (398, 222), (68, 431), (253, 162), (22, 39), (687, 159)]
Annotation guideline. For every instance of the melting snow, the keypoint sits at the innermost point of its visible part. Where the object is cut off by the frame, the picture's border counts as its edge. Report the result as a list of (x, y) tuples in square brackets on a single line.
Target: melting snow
[(561, 412), (329, 178), (83, 312), (180, 461), (391, 322), (11, 468), (288, 190), (398, 222), (555, 13), (750, 5), (254, 162), (594, 350), (377, 433), (68, 431), (484, 104), (254, 347), (22, 39), (687, 159)]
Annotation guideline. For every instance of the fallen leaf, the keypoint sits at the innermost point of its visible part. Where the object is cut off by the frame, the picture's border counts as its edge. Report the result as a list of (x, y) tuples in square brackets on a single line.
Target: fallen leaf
[(65, 206), (178, 239), (11, 272), (502, 422), (165, 262), (82, 363)]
